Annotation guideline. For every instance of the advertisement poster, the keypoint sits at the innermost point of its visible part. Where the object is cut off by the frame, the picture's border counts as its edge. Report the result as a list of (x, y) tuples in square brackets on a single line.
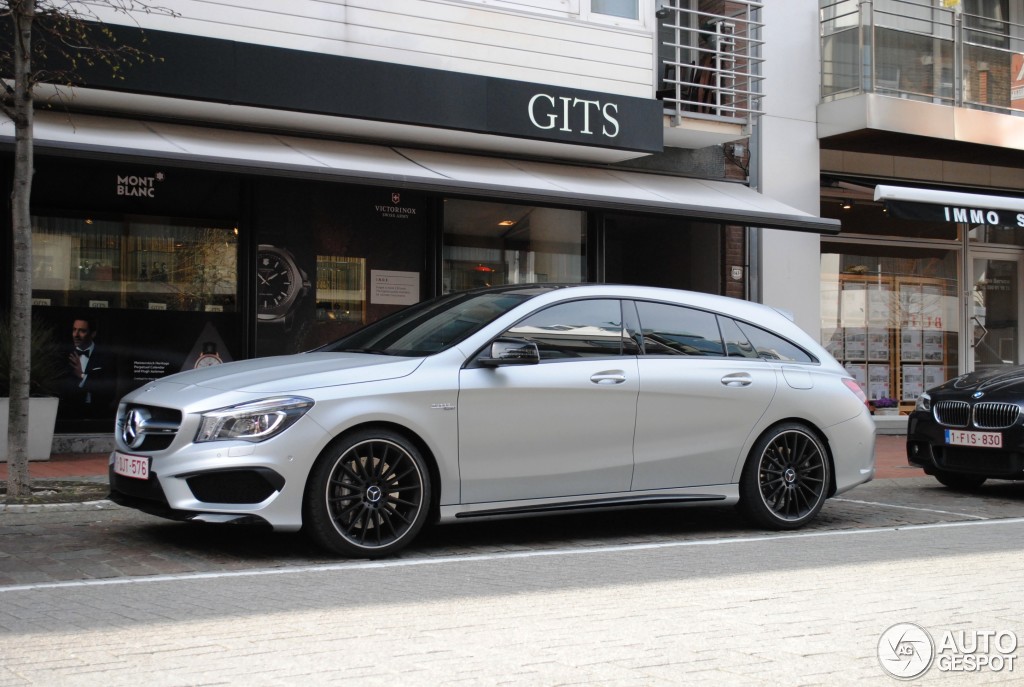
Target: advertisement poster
[(880, 306), (331, 260), (878, 382), (934, 375), (108, 352), (859, 372), (913, 382), (878, 344), (911, 345), (856, 343), (833, 342)]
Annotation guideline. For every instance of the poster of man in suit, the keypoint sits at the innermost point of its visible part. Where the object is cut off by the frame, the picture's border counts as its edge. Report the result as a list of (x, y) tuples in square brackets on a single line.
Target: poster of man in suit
[(90, 384)]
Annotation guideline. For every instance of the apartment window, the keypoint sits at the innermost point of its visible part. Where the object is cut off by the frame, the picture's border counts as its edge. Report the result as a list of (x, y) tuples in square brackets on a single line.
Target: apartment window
[(626, 9), (987, 16)]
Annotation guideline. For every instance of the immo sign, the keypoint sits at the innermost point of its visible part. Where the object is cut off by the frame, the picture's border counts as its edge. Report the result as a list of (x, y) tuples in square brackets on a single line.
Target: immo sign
[(975, 216)]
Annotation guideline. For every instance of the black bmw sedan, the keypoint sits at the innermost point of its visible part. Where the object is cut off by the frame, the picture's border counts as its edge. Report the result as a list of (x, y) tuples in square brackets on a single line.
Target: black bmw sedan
[(970, 429)]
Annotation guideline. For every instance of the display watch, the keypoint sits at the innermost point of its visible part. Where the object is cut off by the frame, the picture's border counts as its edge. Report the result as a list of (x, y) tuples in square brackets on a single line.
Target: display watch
[(280, 283), (209, 356)]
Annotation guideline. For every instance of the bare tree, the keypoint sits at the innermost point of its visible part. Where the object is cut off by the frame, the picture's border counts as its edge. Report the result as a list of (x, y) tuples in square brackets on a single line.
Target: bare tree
[(48, 41)]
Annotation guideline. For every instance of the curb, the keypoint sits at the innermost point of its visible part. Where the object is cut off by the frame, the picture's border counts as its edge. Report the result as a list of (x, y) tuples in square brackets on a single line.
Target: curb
[(102, 504)]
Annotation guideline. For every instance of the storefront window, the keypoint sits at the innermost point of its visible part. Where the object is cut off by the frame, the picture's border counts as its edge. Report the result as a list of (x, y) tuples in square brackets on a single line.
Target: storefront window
[(131, 300), (1005, 234), (144, 263), (890, 315), (488, 244), (672, 252)]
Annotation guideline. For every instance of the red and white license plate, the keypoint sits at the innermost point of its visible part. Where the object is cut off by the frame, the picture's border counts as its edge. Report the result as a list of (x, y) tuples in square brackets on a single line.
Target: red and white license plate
[(959, 437), (136, 467)]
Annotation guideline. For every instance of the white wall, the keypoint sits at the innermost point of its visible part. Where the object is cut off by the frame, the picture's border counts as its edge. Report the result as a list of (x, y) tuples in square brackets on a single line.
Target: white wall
[(473, 37), (789, 171)]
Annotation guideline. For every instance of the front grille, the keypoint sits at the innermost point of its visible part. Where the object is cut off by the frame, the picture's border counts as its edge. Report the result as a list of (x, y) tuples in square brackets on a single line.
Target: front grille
[(987, 415), (995, 415), (952, 413), (157, 426)]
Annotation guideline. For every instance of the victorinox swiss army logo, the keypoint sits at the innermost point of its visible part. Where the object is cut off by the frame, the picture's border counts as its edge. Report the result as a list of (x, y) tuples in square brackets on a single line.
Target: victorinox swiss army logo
[(395, 210)]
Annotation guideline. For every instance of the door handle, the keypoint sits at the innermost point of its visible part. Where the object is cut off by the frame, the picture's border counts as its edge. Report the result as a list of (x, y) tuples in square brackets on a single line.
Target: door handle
[(737, 379), (608, 377)]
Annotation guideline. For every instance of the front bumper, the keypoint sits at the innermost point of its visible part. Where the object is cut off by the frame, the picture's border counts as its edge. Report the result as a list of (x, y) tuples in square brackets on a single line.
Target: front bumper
[(927, 449), (216, 488)]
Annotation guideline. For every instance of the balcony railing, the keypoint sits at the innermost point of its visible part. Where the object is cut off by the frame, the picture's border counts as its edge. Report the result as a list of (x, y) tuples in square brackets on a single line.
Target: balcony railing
[(710, 57), (913, 49)]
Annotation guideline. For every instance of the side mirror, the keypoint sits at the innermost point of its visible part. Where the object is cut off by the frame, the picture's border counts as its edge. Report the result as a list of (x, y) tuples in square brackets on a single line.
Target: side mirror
[(509, 352)]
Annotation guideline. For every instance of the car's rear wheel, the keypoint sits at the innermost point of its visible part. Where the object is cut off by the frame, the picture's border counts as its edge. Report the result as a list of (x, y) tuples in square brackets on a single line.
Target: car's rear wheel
[(955, 480), (786, 478), (369, 496)]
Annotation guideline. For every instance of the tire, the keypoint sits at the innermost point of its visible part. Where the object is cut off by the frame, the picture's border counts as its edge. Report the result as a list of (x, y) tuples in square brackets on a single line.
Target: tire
[(369, 496), (786, 478), (959, 481)]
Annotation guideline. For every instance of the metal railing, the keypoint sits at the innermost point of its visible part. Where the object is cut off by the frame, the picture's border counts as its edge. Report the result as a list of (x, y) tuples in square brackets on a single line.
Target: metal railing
[(915, 50), (710, 55)]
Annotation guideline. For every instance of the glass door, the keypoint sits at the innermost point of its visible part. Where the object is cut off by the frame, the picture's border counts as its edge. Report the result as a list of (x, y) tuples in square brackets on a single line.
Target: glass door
[(993, 311)]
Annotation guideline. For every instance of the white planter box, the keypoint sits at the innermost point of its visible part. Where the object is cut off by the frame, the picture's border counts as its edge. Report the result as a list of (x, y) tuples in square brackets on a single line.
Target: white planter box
[(42, 416)]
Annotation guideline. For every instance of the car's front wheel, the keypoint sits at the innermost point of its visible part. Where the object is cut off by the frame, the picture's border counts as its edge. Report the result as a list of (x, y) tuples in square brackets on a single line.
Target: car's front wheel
[(959, 481), (786, 478), (369, 496)]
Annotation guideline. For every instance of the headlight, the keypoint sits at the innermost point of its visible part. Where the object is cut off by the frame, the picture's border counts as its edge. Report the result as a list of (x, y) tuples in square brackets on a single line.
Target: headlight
[(253, 421), (924, 402)]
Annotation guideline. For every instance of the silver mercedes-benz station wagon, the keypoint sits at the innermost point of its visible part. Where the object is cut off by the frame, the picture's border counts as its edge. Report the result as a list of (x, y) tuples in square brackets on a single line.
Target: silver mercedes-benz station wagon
[(504, 402)]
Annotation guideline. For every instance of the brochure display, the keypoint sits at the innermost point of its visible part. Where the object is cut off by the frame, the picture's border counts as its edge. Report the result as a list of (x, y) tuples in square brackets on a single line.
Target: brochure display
[(895, 335)]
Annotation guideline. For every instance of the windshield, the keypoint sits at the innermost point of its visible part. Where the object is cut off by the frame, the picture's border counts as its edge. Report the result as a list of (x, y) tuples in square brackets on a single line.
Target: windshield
[(433, 326)]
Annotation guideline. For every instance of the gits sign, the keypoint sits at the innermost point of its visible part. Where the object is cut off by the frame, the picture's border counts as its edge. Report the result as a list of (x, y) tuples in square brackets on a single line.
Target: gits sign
[(568, 115), (574, 115)]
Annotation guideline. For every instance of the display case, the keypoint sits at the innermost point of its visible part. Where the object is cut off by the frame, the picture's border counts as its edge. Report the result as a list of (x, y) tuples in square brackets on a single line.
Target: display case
[(896, 336), (136, 263)]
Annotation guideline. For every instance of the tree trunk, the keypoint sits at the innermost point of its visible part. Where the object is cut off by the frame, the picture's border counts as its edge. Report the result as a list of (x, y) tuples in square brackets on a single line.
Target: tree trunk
[(18, 483)]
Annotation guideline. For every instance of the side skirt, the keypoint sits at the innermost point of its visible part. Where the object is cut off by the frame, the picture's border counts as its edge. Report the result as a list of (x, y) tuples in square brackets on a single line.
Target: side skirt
[(509, 509)]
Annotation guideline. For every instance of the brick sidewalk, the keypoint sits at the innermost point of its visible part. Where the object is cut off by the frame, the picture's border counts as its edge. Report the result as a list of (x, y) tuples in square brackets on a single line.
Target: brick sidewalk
[(890, 458)]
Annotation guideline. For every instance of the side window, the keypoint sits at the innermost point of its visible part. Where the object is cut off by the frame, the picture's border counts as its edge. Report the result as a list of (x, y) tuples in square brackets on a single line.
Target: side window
[(736, 343), (773, 347), (677, 330), (579, 329)]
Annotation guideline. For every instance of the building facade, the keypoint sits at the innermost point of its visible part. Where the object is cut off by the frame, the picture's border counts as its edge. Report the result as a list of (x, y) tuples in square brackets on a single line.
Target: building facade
[(921, 129), (279, 177)]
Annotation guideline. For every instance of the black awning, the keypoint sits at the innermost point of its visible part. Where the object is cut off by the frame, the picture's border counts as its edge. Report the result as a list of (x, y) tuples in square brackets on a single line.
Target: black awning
[(931, 205)]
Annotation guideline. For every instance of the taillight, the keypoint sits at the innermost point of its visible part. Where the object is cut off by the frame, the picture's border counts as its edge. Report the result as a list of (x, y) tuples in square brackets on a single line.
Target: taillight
[(853, 386)]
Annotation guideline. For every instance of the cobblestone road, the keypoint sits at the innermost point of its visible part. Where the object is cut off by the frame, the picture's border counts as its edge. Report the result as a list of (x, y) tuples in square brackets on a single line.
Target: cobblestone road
[(105, 541), (642, 598)]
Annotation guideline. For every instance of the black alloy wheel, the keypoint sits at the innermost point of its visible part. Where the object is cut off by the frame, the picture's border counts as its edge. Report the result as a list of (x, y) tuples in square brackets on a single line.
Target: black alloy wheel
[(786, 479), (368, 497)]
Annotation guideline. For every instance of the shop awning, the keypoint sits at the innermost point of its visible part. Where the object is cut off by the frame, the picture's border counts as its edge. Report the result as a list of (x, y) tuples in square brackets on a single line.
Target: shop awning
[(466, 175), (934, 205)]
